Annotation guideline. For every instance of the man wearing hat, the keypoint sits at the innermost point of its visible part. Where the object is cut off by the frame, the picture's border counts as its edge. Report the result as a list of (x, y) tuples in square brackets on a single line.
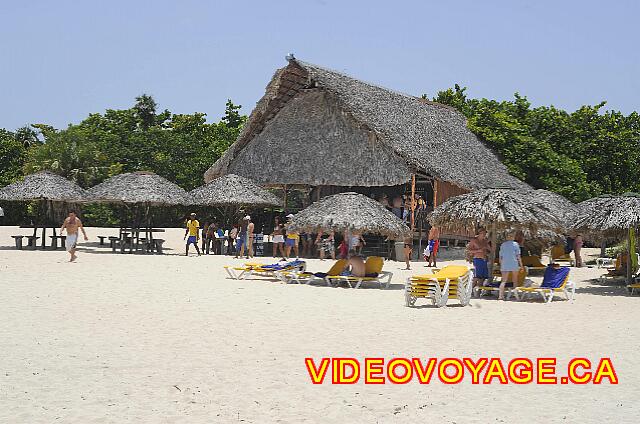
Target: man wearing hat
[(192, 231), (291, 240)]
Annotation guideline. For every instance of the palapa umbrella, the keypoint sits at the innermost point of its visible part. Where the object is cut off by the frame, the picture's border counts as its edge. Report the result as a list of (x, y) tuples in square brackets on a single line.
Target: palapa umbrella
[(232, 192), (351, 212), (138, 188), (497, 209), (47, 188), (610, 218)]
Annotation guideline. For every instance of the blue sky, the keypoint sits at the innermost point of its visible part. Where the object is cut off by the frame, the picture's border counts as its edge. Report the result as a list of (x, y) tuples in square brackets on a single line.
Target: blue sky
[(61, 60)]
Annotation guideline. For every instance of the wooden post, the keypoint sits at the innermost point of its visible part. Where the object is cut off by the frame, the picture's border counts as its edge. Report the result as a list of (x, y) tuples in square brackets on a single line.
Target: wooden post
[(413, 203), (285, 197), (435, 193), (492, 254)]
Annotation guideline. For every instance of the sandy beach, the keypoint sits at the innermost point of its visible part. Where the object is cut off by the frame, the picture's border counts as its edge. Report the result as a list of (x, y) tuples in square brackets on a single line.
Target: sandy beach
[(169, 339)]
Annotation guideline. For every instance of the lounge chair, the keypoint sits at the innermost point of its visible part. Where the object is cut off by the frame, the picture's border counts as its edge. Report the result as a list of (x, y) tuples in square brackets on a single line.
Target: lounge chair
[(309, 277), (249, 269), (619, 270), (559, 255), (533, 263), (494, 286), (373, 272), (555, 280), (450, 281)]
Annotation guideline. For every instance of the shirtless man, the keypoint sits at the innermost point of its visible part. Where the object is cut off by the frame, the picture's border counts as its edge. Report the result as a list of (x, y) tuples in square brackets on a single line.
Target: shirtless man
[(355, 265), (72, 223)]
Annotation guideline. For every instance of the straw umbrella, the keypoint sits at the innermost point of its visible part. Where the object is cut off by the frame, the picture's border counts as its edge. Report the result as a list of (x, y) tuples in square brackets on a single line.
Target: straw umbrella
[(498, 209), (138, 188), (232, 191), (351, 212), (47, 188), (610, 218)]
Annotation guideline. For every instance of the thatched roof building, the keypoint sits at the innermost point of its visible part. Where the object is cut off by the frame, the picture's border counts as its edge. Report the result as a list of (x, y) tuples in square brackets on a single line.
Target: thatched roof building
[(232, 189), (138, 187), (318, 127), (44, 185), (349, 212)]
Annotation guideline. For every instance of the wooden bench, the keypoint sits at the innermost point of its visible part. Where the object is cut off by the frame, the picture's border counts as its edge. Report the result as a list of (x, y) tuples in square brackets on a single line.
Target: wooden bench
[(31, 241), (18, 240), (54, 241), (102, 239)]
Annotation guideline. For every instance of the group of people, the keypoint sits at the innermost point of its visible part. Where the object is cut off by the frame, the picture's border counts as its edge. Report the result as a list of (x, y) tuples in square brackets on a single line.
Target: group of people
[(401, 206), (287, 241), (479, 248)]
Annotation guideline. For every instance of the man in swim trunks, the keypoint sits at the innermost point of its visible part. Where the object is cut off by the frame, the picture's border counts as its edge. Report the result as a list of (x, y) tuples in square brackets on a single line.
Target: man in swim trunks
[(72, 223), (192, 231), (480, 248)]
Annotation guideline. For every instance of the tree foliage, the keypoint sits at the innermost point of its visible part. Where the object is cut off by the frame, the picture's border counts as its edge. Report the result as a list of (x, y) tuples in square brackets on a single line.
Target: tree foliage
[(178, 147), (580, 154)]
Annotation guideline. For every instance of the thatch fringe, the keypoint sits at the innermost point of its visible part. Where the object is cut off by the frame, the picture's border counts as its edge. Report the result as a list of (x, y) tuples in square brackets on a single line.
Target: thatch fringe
[(138, 187), (44, 185), (608, 218), (349, 212), (232, 190)]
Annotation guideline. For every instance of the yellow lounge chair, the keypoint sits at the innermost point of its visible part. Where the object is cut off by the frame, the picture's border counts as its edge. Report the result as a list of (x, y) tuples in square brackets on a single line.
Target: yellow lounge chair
[(450, 281), (533, 263), (509, 287), (558, 255), (373, 271), (309, 277), (556, 280), (264, 270), (633, 287)]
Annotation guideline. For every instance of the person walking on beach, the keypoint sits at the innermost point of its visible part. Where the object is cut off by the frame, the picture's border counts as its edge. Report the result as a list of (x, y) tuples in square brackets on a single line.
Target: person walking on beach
[(72, 224), (510, 262), (408, 251), (193, 227), (433, 243), (233, 235), (277, 238), (250, 236), (577, 247), (291, 241), (479, 248), (241, 239), (326, 245)]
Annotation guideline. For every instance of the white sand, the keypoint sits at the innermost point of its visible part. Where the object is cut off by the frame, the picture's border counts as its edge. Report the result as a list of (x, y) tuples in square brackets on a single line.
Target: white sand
[(146, 338)]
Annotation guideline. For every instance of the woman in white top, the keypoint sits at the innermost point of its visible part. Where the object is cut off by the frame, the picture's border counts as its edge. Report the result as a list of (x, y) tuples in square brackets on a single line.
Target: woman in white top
[(510, 262)]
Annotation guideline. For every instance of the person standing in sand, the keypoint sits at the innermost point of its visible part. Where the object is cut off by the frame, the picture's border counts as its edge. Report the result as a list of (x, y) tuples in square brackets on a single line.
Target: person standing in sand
[(434, 244), (192, 231), (479, 248), (72, 224), (577, 248), (250, 236), (510, 263)]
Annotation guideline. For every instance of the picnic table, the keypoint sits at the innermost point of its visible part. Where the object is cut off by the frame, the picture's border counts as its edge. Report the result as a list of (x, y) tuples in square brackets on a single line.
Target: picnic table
[(131, 239), (33, 239)]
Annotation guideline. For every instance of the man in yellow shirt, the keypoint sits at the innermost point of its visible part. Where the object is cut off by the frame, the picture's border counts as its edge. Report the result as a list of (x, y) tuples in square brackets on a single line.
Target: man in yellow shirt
[(192, 231)]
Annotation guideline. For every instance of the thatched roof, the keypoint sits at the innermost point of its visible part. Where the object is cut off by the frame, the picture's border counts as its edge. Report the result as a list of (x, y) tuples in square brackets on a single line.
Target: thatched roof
[(43, 185), (564, 209), (349, 211), (608, 217), (138, 187), (320, 127), (505, 208), (232, 189)]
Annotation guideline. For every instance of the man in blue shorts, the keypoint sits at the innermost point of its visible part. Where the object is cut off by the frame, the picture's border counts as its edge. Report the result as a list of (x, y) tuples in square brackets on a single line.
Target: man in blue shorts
[(479, 247), (192, 231)]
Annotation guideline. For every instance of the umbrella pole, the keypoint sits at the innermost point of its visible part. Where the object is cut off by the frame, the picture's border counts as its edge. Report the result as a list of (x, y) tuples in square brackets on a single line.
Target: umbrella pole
[(413, 203), (492, 254)]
